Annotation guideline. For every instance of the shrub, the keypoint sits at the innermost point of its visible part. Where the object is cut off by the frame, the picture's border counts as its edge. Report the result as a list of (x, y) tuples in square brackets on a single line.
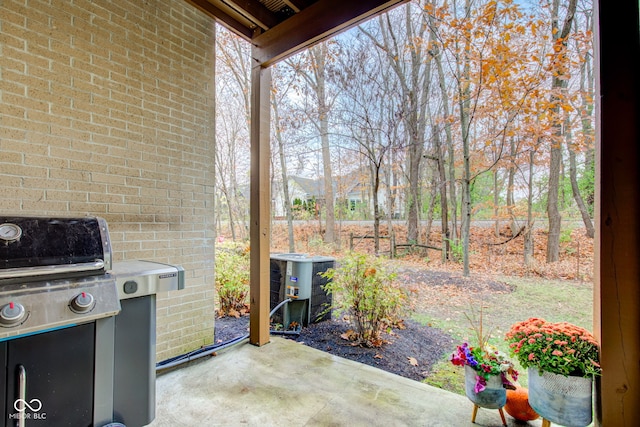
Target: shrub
[(364, 289), (232, 278)]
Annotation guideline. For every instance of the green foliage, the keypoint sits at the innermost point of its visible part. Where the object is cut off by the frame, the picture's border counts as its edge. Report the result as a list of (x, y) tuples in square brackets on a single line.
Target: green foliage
[(456, 249), (352, 210), (565, 235), (367, 292), (481, 189), (587, 187), (232, 278)]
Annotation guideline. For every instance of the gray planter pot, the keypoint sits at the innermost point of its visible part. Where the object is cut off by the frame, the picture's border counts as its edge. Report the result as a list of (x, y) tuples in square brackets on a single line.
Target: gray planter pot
[(567, 401), (493, 397)]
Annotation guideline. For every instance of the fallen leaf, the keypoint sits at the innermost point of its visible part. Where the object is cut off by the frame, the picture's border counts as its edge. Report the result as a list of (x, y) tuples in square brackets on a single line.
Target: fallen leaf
[(350, 335), (413, 361), (377, 356)]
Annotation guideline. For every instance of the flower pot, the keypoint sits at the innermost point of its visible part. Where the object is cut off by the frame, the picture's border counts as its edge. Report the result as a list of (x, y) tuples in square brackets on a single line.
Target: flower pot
[(494, 396), (566, 401)]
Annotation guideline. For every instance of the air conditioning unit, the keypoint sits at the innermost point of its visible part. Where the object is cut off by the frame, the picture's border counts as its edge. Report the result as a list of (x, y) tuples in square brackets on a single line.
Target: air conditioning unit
[(297, 277)]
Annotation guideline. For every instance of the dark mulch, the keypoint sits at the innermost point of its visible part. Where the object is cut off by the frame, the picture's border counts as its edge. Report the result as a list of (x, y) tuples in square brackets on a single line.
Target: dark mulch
[(409, 352)]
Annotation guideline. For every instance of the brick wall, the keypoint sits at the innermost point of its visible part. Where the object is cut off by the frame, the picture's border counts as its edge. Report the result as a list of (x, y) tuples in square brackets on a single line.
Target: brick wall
[(106, 108)]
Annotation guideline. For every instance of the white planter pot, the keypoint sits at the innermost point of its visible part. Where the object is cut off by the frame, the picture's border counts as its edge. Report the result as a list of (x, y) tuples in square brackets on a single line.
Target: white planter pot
[(492, 397), (566, 401)]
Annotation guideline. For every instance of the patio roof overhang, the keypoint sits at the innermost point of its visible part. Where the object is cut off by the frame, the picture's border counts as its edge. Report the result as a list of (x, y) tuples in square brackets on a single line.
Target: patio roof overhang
[(279, 28)]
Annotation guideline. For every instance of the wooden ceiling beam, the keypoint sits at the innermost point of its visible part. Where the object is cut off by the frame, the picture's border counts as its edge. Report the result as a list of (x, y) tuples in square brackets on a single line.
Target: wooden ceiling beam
[(255, 12), (317, 22), (298, 5), (223, 18)]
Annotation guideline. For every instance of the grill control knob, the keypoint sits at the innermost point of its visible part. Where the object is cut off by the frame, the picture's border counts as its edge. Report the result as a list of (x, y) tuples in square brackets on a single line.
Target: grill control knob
[(12, 314), (82, 303)]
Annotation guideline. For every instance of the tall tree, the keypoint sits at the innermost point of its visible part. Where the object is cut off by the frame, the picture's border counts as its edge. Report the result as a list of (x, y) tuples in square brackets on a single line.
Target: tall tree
[(583, 48), (313, 67), (232, 129), (446, 162), (402, 41), (559, 64), (278, 96), (369, 111)]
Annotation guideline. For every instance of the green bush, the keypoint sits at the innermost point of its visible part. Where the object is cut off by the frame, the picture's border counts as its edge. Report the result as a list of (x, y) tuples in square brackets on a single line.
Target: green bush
[(366, 291), (232, 278)]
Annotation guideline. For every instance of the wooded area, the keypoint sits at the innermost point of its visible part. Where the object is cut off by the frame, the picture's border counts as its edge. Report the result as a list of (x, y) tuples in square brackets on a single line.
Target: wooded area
[(436, 111)]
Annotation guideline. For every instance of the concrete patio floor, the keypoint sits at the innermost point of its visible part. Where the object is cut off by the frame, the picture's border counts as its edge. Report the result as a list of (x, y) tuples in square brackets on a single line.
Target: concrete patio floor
[(285, 383)]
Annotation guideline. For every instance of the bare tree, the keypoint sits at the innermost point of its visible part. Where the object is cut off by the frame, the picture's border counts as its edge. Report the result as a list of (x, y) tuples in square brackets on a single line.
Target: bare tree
[(369, 111), (232, 129), (276, 99), (583, 47), (313, 68), (558, 86), (401, 42)]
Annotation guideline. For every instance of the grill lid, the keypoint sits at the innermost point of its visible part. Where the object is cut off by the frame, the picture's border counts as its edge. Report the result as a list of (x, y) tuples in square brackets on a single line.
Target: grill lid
[(32, 244)]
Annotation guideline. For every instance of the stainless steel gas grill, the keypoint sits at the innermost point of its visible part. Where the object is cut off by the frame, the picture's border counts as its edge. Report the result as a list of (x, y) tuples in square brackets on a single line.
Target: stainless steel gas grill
[(53, 274), (58, 303)]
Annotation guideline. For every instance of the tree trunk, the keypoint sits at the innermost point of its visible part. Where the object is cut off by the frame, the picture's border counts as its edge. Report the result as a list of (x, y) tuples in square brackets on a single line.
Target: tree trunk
[(528, 235), (573, 178), (496, 202), (432, 204), (442, 185), (510, 186), (578, 197), (586, 112), (558, 85), (412, 79), (465, 102), (553, 213), (319, 54), (453, 231), (284, 176), (375, 172)]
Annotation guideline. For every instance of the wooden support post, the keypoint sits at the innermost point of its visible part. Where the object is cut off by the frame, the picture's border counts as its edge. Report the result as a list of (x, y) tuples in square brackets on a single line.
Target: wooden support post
[(617, 249), (260, 205)]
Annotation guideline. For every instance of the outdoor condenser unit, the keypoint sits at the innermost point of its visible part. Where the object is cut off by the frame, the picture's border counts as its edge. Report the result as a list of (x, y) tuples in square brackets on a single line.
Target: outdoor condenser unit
[(297, 277)]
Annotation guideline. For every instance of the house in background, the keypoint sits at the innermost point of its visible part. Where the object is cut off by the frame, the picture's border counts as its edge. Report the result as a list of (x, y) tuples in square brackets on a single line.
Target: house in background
[(353, 196)]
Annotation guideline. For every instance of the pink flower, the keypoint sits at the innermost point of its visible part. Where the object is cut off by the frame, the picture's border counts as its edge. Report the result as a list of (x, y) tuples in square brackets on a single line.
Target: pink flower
[(532, 356), (557, 353), (481, 384)]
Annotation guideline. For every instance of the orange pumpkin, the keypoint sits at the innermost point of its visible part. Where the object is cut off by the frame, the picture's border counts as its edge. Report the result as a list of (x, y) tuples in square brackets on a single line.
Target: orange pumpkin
[(518, 405)]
